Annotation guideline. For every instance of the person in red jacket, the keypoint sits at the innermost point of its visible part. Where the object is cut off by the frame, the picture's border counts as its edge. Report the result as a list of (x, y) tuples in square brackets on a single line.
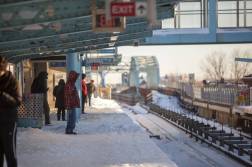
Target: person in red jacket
[(71, 101), (84, 93)]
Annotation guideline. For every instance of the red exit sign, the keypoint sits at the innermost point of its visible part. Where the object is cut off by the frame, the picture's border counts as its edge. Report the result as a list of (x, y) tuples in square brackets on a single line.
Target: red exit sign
[(123, 9)]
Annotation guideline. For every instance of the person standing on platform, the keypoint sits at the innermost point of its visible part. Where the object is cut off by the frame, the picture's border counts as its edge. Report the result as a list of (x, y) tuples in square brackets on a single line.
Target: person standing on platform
[(84, 93), (39, 85), (71, 101), (9, 101), (90, 91), (58, 92)]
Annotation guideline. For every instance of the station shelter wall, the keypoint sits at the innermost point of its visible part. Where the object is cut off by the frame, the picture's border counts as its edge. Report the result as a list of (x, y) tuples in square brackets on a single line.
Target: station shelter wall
[(54, 75), (219, 116), (32, 69)]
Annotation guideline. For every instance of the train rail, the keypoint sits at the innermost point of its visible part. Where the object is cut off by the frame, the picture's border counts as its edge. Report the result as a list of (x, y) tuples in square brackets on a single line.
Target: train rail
[(235, 146)]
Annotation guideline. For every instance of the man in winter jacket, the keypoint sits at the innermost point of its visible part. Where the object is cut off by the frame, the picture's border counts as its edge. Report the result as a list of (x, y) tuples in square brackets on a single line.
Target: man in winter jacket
[(9, 101), (84, 93), (71, 100)]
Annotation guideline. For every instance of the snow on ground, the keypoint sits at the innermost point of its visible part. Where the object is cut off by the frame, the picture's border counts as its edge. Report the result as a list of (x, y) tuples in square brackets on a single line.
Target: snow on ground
[(179, 147), (167, 102), (171, 103), (137, 109), (110, 136), (107, 137)]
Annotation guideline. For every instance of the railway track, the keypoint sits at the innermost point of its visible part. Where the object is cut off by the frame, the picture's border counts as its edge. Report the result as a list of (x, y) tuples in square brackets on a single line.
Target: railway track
[(237, 147)]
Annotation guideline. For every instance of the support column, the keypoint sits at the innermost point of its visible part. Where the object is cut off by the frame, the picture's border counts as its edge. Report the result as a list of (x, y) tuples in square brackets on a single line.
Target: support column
[(73, 62), (212, 18), (103, 75), (137, 81)]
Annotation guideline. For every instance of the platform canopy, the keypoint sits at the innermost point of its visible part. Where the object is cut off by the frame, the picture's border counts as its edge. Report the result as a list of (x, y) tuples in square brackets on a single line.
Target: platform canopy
[(45, 28)]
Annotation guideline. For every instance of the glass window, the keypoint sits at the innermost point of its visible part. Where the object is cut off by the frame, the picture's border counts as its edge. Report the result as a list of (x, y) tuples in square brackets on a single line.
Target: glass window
[(227, 15), (168, 23), (190, 21), (249, 4), (249, 13), (241, 13), (249, 20), (190, 15), (241, 20)]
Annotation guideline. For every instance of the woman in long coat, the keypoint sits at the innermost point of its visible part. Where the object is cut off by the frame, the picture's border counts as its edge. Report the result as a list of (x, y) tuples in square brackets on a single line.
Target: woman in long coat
[(58, 92)]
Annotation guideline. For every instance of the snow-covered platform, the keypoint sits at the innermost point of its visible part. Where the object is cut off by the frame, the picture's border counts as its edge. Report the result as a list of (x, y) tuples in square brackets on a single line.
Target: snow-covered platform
[(107, 137)]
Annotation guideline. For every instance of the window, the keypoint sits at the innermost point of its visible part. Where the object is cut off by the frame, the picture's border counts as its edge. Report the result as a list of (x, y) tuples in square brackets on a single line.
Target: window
[(227, 15), (234, 13)]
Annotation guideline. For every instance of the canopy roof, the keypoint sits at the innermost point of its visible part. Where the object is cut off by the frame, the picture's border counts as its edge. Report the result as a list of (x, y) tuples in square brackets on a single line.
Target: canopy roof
[(38, 28)]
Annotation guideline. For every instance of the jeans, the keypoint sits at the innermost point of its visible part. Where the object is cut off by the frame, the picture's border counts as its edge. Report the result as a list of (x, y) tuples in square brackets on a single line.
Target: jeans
[(71, 120)]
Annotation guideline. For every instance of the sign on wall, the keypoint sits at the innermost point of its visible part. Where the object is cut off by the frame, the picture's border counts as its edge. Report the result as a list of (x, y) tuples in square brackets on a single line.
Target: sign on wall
[(100, 61), (123, 9), (138, 9), (141, 9), (101, 23)]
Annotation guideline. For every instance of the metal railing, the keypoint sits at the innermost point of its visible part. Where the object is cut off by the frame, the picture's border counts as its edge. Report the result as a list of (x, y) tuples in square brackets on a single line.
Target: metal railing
[(224, 94)]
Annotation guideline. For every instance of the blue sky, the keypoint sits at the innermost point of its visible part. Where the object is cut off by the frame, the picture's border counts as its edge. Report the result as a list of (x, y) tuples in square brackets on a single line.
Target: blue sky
[(181, 58)]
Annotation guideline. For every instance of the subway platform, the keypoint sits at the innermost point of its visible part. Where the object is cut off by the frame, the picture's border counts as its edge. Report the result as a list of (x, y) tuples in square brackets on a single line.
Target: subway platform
[(107, 136)]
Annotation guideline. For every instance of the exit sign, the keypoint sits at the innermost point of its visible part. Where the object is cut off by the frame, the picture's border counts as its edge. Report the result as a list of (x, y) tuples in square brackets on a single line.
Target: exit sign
[(119, 9), (123, 9)]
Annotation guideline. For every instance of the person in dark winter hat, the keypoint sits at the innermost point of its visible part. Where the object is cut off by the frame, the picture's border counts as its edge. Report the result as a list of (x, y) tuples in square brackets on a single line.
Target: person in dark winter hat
[(58, 92), (39, 85), (71, 101), (9, 101)]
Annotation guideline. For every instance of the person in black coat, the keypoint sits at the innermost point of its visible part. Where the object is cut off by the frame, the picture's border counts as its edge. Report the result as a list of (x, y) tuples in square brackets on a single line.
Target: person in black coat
[(9, 101), (58, 92), (39, 85), (90, 91)]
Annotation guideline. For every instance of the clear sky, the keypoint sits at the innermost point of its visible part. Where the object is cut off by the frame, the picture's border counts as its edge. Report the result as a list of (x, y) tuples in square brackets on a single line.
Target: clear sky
[(181, 58)]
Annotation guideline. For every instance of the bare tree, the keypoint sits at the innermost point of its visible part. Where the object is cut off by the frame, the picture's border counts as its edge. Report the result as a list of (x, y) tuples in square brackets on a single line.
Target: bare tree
[(214, 66), (239, 69)]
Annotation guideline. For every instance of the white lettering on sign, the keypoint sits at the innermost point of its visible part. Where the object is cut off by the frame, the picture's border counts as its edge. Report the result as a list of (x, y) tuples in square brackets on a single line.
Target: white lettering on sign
[(122, 9)]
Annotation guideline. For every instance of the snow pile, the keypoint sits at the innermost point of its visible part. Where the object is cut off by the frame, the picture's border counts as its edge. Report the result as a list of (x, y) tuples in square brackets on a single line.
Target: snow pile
[(172, 103), (167, 102), (100, 103)]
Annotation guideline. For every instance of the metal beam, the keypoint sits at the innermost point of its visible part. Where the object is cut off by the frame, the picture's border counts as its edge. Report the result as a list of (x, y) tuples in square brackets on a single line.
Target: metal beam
[(16, 59), (86, 44), (46, 12), (121, 37), (42, 12), (57, 42), (200, 36), (39, 27)]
